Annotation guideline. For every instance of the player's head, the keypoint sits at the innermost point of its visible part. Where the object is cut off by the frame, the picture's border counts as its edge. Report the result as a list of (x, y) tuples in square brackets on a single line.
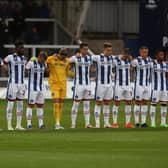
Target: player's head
[(19, 47), (42, 57), (143, 51), (160, 55), (107, 49), (84, 48), (126, 53), (63, 53)]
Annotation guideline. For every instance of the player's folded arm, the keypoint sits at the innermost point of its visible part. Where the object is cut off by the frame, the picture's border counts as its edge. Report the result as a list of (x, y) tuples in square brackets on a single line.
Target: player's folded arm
[(70, 73)]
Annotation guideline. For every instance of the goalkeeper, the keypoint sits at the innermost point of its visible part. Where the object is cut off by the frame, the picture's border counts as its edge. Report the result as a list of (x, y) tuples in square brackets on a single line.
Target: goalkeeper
[(59, 67)]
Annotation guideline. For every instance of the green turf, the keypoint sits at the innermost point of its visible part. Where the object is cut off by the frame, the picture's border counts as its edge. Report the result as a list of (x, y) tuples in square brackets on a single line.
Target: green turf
[(82, 148)]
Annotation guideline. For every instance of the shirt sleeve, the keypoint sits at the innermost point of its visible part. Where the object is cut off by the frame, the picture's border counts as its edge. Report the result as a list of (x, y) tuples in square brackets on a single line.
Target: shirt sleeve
[(91, 59), (114, 62), (7, 59), (151, 64), (134, 62), (45, 65), (29, 65), (72, 59), (113, 56), (95, 58)]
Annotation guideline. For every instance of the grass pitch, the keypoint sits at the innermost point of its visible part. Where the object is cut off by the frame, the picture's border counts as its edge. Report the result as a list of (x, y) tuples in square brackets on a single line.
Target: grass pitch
[(82, 148)]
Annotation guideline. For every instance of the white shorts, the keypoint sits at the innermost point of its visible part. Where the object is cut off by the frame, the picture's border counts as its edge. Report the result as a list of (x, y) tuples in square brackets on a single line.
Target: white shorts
[(103, 92), (82, 92), (15, 91), (123, 93), (142, 93), (35, 97), (158, 96)]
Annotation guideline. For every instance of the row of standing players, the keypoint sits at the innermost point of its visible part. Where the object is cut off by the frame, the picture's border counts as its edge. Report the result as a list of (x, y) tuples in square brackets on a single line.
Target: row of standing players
[(59, 66)]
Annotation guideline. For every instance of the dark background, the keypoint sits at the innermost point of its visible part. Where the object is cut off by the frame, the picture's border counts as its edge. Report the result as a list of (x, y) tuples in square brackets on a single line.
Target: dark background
[(153, 24)]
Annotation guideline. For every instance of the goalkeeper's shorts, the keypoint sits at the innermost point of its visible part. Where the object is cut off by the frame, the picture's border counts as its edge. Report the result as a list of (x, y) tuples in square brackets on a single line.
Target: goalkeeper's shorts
[(58, 90)]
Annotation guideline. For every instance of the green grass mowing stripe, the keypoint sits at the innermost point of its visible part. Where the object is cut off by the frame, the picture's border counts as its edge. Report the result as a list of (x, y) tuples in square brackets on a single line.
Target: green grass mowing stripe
[(99, 159), (103, 149)]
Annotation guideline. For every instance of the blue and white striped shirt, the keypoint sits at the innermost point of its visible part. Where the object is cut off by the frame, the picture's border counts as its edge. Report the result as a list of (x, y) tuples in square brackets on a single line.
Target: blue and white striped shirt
[(104, 65), (35, 75), (122, 69), (16, 68), (142, 71), (82, 69), (159, 81)]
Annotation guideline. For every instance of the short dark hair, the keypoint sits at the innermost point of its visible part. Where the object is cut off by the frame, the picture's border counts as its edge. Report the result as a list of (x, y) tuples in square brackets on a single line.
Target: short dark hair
[(84, 44), (143, 47), (106, 45), (18, 43), (127, 51), (158, 51)]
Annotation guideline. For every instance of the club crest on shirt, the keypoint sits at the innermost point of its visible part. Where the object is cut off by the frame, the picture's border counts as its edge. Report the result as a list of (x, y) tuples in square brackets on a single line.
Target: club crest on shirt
[(97, 97), (154, 99), (10, 96), (31, 101), (116, 97), (137, 97)]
